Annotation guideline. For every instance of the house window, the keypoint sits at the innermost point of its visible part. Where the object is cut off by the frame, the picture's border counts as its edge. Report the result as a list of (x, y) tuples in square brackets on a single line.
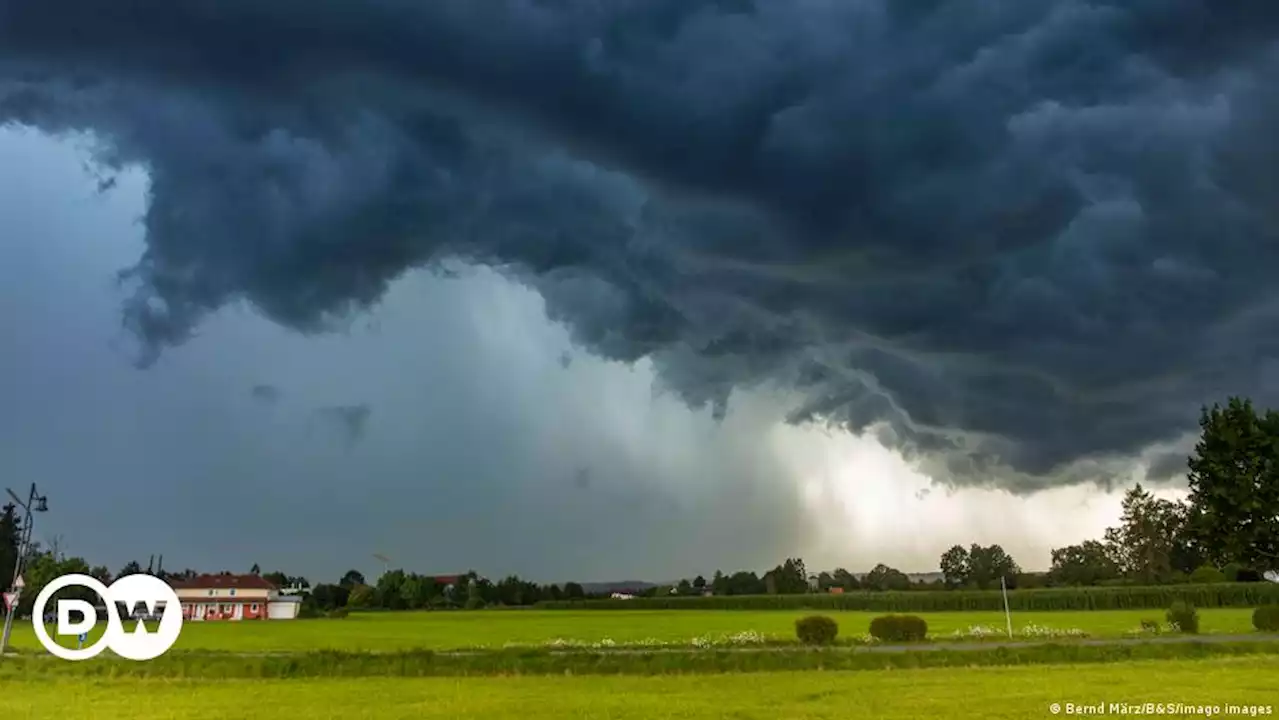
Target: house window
[(253, 607), (233, 592), (210, 593)]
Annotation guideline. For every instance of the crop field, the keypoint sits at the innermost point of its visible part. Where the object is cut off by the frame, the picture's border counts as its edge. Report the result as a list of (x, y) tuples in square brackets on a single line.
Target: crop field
[(494, 629), (1004, 692)]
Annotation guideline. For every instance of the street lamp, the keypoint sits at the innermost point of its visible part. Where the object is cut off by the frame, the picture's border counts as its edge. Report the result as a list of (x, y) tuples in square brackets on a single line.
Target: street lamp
[(35, 503)]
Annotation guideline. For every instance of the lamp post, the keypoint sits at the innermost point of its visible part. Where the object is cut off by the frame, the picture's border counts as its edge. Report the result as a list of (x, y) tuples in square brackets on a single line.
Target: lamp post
[(35, 503)]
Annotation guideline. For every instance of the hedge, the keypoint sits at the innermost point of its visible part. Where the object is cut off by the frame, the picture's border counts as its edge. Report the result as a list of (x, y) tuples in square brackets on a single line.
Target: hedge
[(1078, 598)]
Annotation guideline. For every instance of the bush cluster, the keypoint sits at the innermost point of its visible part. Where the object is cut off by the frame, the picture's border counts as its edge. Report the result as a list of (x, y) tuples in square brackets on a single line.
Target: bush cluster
[(338, 613), (817, 630), (899, 628), (1183, 617), (1267, 617)]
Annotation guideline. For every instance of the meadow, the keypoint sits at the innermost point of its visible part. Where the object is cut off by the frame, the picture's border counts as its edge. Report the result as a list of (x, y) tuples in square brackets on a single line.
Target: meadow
[(996, 693), (444, 630)]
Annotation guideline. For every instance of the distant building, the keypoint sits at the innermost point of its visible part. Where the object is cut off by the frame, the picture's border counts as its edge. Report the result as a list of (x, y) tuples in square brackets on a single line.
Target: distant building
[(234, 597)]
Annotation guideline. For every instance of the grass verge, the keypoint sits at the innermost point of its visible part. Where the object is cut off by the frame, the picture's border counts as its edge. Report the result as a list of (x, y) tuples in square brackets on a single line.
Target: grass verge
[(1002, 693), (391, 631), (328, 664)]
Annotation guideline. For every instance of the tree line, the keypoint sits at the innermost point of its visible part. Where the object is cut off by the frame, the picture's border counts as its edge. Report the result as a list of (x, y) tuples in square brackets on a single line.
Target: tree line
[(1226, 530)]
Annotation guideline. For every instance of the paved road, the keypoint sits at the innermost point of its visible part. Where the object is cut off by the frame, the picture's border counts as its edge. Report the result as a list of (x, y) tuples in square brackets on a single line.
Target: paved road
[(920, 647)]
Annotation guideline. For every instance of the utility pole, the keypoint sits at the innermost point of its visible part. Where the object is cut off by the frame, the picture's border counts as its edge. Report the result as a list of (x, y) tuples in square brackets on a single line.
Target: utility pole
[(35, 503)]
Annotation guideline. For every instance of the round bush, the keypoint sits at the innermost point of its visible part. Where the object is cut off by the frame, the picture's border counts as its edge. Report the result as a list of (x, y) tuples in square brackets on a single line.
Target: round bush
[(817, 630), (899, 628), (1183, 616), (338, 613), (1267, 617), (1208, 575)]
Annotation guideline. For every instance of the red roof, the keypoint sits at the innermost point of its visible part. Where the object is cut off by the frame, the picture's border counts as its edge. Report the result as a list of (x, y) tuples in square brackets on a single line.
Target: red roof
[(222, 582), (446, 579)]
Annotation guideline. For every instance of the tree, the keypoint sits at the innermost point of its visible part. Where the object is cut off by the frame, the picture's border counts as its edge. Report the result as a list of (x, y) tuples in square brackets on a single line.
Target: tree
[(790, 577), (684, 587), (770, 584), (574, 591), (329, 597), (361, 596), (1143, 544), (255, 570), (1232, 478), (131, 568), (352, 578), (955, 566), (700, 583), (277, 578), (1088, 563), (10, 536), (883, 577), (719, 583), (41, 569), (387, 590), (415, 591), (845, 579), (987, 565)]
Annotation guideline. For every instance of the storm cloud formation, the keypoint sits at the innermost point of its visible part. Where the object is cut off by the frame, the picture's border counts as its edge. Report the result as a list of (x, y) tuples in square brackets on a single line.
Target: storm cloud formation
[(350, 419), (1014, 236)]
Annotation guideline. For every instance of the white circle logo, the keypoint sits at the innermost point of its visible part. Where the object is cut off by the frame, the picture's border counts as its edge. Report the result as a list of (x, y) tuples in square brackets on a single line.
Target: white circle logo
[(133, 591)]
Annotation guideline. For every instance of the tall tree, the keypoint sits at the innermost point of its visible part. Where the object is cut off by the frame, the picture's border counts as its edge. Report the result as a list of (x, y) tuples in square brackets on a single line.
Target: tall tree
[(1232, 477), (955, 566), (255, 570), (10, 536), (1144, 543), (351, 578), (133, 567), (987, 565)]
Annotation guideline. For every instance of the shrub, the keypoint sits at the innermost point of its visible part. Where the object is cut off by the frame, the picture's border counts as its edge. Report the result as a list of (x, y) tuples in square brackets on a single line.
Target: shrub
[(338, 613), (1183, 617), (1267, 617), (1151, 626), (1207, 575), (899, 628), (816, 630), (308, 612), (1231, 571)]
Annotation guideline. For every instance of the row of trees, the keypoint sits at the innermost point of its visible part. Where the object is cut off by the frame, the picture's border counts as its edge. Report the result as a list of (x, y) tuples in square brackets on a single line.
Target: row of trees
[(1226, 530)]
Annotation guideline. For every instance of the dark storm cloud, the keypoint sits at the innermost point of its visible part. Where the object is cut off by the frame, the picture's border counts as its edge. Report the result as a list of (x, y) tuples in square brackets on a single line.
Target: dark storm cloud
[(350, 419), (265, 393), (1017, 234)]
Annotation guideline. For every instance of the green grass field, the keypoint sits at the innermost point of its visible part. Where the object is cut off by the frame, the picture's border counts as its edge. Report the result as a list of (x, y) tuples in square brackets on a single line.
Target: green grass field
[(493, 629), (1013, 692)]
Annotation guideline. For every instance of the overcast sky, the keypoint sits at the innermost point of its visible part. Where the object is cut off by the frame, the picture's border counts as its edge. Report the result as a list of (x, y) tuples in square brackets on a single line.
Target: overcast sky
[(481, 449), (998, 283)]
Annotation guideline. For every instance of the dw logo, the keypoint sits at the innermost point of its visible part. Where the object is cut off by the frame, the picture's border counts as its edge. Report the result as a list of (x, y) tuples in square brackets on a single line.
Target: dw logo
[(138, 593)]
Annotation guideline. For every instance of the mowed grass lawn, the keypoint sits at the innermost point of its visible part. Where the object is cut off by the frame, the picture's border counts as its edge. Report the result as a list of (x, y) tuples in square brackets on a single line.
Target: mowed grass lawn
[(493, 629), (1009, 692)]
